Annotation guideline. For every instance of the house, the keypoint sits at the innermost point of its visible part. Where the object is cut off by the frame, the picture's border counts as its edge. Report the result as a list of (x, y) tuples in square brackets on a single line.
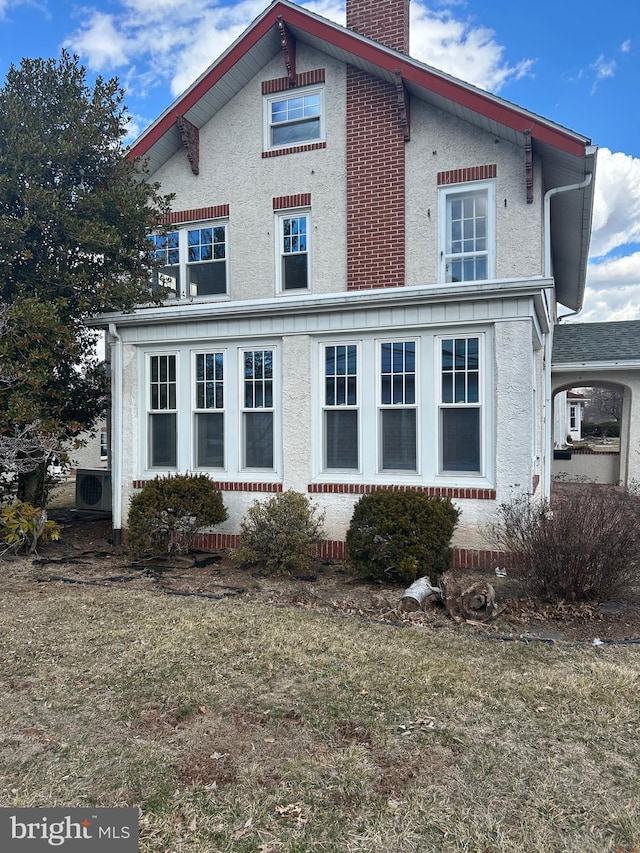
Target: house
[(364, 260), (568, 416)]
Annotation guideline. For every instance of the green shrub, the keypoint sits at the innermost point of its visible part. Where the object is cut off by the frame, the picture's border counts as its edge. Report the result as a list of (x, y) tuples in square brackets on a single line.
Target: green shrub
[(22, 526), (281, 534), (169, 511), (583, 546), (399, 536)]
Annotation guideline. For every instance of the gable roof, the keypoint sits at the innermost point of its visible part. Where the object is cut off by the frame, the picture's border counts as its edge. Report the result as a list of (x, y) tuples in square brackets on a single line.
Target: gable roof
[(596, 343), (567, 157)]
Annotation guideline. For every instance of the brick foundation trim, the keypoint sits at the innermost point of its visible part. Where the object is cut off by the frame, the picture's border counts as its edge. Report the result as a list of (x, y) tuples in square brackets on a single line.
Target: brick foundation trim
[(287, 202), (282, 84), (458, 492), (336, 549), (196, 214), (463, 176), (231, 487), (580, 451), (294, 149)]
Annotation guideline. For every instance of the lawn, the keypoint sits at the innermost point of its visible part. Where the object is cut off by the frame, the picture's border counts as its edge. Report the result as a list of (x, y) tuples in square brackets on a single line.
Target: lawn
[(237, 726)]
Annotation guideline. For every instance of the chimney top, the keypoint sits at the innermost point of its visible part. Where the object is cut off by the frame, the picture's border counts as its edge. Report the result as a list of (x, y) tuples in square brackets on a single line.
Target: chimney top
[(386, 21)]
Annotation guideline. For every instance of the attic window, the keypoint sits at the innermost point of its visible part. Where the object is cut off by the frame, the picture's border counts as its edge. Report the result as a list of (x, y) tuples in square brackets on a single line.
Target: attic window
[(296, 118)]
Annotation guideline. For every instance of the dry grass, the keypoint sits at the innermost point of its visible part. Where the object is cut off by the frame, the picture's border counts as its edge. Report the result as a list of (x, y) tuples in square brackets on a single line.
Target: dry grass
[(240, 727)]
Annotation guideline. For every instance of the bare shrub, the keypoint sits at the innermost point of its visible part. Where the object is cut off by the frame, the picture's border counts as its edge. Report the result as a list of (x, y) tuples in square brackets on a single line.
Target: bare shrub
[(583, 546), (281, 534)]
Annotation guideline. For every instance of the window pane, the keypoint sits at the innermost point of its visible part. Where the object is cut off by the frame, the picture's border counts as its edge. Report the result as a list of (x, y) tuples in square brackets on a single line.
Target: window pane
[(162, 441), (460, 439), (210, 440), (258, 440), (294, 272), (208, 279), (398, 440), (293, 134), (341, 439)]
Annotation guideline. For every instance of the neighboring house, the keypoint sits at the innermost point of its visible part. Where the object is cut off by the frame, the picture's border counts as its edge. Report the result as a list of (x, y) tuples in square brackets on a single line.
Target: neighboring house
[(364, 258), (568, 411)]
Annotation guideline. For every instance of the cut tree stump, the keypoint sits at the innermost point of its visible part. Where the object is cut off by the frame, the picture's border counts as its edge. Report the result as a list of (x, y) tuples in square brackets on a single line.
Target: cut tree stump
[(476, 603), (418, 594)]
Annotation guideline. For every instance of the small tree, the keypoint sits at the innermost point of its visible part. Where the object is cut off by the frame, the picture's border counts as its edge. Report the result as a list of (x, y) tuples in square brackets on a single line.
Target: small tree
[(281, 534), (584, 546), (169, 511)]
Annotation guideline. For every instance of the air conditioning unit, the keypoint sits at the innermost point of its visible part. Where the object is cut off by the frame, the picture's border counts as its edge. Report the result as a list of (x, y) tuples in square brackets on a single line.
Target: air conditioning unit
[(93, 489)]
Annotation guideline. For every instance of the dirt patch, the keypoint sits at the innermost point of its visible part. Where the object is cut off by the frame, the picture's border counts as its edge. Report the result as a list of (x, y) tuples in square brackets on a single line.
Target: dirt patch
[(85, 554)]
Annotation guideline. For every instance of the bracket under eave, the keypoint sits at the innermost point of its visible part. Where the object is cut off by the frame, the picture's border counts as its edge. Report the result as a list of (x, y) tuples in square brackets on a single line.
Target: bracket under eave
[(288, 47), (403, 106), (191, 141)]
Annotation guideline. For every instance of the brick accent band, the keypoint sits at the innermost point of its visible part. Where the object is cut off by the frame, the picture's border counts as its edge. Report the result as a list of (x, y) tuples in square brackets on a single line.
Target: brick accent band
[(335, 549), (458, 492), (284, 202), (461, 176), (294, 149), (281, 84), (197, 214), (231, 487)]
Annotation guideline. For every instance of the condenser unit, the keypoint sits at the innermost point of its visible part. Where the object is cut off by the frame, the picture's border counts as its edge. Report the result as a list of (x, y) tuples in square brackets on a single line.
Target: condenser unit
[(93, 489)]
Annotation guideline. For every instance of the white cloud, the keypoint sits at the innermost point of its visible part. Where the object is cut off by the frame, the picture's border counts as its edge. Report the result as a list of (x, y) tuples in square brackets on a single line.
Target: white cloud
[(461, 49), (616, 219), (625, 47), (101, 41)]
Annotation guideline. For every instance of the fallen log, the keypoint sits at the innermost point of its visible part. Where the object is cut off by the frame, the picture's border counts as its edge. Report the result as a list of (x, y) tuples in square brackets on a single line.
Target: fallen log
[(418, 594), (476, 603)]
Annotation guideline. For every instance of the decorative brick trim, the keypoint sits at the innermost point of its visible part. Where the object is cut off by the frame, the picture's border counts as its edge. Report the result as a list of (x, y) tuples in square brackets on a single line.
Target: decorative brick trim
[(458, 492), (282, 84), (224, 486), (294, 149), (463, 176), (486, 561), (197, 214), (286, 202), (583, 451)]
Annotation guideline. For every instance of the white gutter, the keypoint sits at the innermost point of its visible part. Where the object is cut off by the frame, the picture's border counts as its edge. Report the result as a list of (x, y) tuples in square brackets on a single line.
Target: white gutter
[(548, 397), (116, 436)]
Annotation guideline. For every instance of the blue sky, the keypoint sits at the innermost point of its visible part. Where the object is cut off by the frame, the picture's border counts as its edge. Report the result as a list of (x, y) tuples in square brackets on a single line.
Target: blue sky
[(576, 66)]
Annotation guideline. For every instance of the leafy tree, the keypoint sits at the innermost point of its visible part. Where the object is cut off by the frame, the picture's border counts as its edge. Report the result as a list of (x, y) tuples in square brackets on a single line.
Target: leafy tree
[(74, 219)]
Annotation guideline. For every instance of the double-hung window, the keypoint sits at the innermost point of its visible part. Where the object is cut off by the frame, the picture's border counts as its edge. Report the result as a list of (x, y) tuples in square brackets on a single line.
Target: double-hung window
[(162, 411), (467, 232), (209, 410), (293, 252), (341, 446), (460, 405), (397, 406), (258, 410), (193, 260), (294, 118)]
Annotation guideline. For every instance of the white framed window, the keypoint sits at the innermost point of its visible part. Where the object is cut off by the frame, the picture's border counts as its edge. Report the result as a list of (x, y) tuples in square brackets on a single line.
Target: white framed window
[(460, 416), (397, 406), (293, 250), (257, 408), (294, 118), (467, 232), (209, 409), (104, 446), (162, 411), (194, 260), (341, 407)]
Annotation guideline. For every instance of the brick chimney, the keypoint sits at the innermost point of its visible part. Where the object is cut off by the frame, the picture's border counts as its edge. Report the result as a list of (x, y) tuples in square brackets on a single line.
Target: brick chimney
[(386, 21), (375, 155)]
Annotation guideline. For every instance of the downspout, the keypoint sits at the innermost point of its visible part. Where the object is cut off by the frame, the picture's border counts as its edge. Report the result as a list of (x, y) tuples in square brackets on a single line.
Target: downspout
[(548, 397), (116, 438)]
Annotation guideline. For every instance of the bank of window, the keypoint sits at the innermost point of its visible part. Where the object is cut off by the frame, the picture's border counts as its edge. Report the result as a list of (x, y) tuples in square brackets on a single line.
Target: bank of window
[(193, 261), (209, 410), (460, 405), (294, 119), (294, 251), (162, 412), (341, 410), (258, 410), (397, 406), (467, 242)]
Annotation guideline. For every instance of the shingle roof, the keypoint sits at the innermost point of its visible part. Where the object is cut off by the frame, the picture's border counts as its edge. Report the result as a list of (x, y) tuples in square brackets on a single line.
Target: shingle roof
[(575, 343)]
